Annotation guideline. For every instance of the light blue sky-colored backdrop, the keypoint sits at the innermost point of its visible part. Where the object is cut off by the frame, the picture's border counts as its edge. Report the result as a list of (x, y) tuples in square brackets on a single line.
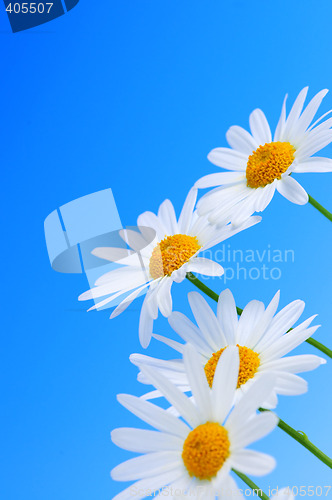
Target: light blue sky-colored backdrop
[(133, 95)]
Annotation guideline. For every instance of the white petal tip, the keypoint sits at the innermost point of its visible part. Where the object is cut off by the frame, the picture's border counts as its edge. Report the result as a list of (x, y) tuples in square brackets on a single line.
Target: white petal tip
[(145, 342), (133, 359)]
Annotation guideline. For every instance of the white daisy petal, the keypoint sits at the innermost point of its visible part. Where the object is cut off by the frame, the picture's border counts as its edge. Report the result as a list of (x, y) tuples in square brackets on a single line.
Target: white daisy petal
[(166, 213), (228, 159), (282, 121), (264, 322), (152, 394), (313, 144), (151, 300), (219, 179), (115, 254), (181, 403), (315, 164), (180, 485), (227, 315), (144, 441), (222, 198), (255, 429), (259, 127), (147, 465), (289, 384), (185, 218), (281, 323), (225, 382), (171, 343), (207, 321), (145, 325), (295, 112), (264, 196), (140, 488), (239, 139), (188, 331), (149, 219), (309, 113), (164, 297), (110, 299), (218, 481), (232, 489), (127, 301), (248, 320), (244, 209), (153, 415), (198, 382), (253, 462), (251, 400), (134, 239), (288, 315), (322, 126), (271, 401), (295, 364), (122, 279), (206, 266), (179, 275), (287, 343), (177, 378), (175, 365), (292, 190)]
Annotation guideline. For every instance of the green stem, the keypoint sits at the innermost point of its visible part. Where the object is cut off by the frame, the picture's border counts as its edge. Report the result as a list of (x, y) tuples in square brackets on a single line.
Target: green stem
[(320, 346), (210, 293), (320, 208), (251, 484), (301, 438), (213, 295)]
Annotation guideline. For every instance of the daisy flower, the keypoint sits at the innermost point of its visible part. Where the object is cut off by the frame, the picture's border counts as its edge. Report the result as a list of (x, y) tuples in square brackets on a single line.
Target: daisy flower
[(258, 165), (156, 264), (197, 452), (260, 334)]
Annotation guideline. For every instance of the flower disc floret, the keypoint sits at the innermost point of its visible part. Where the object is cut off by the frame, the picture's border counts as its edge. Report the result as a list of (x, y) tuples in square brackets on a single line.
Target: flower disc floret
[(171, 253), (268, 163), (205, 450)]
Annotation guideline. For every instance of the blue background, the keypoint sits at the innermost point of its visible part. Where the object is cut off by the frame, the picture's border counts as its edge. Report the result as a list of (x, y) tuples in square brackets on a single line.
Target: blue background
[(133, 95)]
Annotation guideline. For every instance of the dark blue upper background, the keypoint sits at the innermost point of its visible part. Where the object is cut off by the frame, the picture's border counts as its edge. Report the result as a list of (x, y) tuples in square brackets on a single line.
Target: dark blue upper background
[(133, 95)]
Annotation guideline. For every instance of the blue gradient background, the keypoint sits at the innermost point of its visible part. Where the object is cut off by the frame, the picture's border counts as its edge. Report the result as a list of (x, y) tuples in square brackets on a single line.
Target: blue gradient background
[(133, 95)]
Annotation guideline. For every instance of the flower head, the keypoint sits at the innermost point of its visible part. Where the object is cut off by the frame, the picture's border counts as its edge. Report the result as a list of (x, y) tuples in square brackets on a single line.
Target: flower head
[(258, 164), (200, 449), (155, 263), (262, 337)]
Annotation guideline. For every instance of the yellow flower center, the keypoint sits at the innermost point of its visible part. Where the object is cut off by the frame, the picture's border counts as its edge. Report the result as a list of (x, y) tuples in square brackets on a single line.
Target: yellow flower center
[(249, 363), (268, 162), (171, 253), (205, 450)]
